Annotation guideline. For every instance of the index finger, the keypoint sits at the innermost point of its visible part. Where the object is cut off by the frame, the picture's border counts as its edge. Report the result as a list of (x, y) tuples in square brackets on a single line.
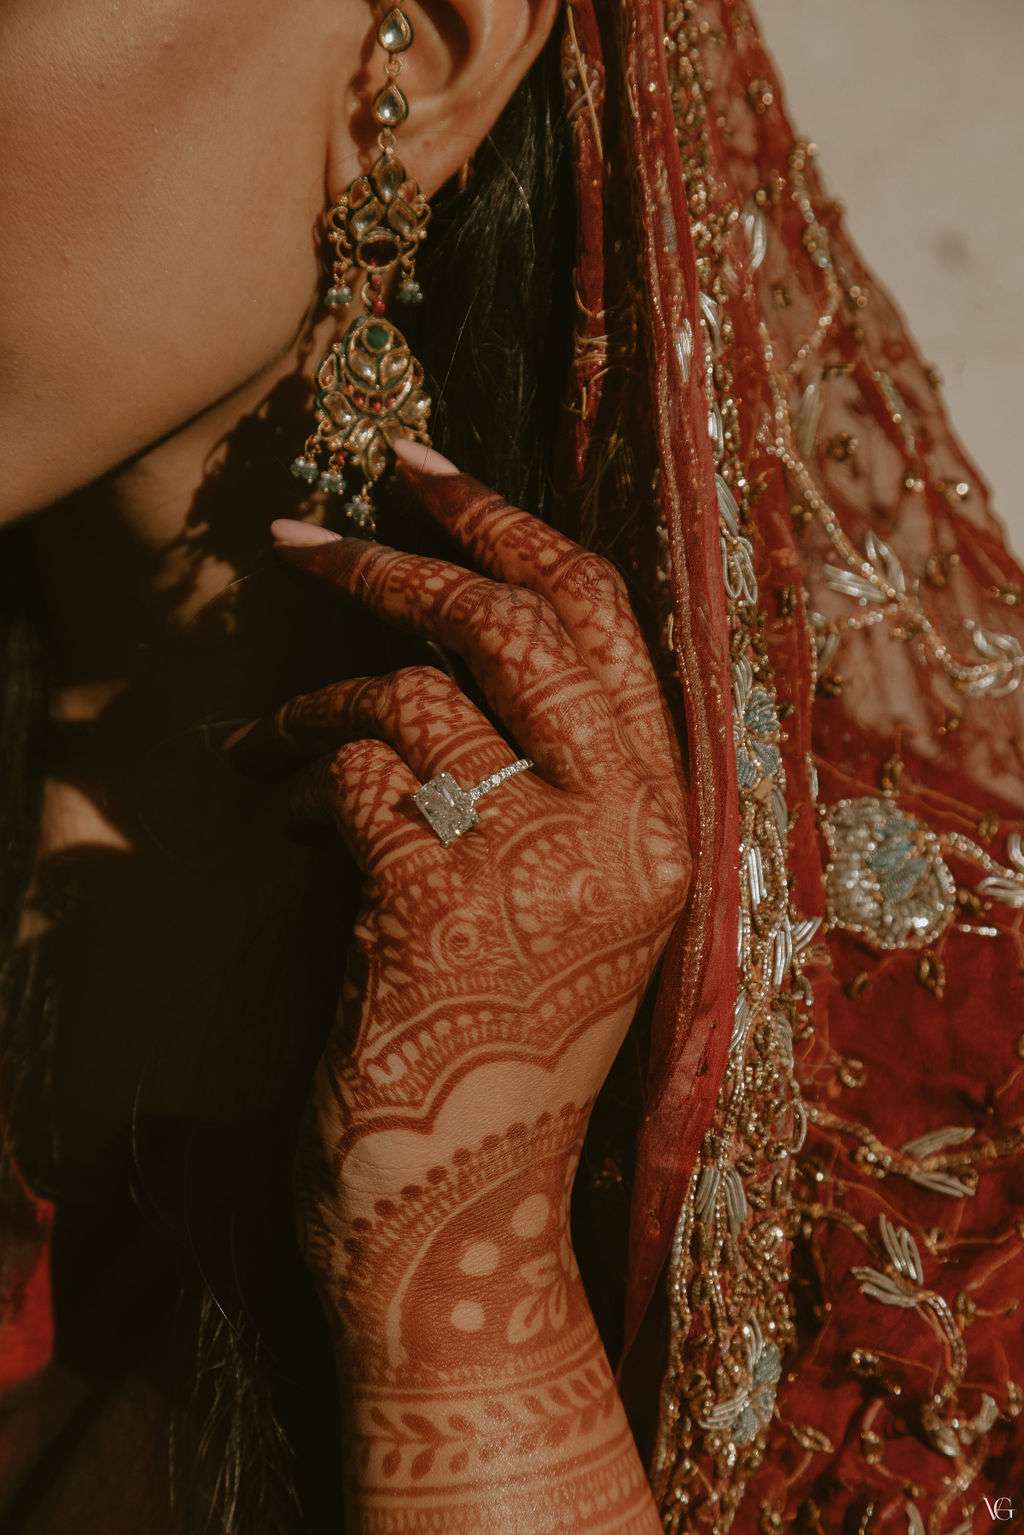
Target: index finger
[(586, 591), (511, 639)]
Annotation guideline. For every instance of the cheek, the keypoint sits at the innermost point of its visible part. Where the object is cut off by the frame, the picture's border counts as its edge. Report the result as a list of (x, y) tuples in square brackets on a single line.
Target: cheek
[(159, 189)]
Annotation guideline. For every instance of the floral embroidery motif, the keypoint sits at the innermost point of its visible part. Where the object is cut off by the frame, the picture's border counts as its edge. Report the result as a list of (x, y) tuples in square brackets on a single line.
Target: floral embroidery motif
[(929, 1152), (756, 728), (887, 879), (729, 1268), (903, 1288), (750, 1408), (1006, 885)]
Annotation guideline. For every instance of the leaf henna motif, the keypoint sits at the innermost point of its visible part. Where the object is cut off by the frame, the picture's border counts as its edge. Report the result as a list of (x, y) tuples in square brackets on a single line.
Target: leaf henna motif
[(489, 986)]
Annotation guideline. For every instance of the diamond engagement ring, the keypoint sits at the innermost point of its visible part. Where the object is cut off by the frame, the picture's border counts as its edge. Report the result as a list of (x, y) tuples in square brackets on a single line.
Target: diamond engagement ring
[(451, 810)]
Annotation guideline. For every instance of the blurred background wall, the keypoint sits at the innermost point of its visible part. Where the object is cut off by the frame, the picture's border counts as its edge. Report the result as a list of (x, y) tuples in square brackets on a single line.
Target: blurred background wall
[(918, 109)]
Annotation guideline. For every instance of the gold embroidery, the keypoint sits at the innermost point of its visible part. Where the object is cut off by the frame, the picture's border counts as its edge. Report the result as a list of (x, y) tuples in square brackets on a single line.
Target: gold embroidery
[(729, 1276), (729, 1269), (887, 879)]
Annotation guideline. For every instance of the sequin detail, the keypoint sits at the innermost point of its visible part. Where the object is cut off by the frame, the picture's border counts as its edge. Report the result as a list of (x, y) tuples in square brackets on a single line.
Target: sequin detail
[(886, 879)]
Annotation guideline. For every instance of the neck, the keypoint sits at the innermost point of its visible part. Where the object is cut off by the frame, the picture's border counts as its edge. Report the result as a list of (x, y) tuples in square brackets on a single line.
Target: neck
[(168, 613), (155, 551)]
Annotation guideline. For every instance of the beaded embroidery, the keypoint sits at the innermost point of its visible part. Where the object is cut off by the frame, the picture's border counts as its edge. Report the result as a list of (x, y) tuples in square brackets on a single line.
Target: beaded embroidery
[(887, 879), (893, 883), (729, 1271)]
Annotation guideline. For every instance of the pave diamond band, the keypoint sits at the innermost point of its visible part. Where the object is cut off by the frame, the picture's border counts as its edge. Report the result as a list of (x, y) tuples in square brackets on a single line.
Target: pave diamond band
[(495, 780), (450, 810)]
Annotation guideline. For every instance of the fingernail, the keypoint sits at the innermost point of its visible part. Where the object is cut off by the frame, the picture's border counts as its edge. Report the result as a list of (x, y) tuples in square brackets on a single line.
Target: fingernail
[(424, 460), (301, 535)]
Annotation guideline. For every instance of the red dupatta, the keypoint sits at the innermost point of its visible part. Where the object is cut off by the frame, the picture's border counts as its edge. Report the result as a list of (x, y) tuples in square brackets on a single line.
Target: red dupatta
[(830, 1168), (698, 990)]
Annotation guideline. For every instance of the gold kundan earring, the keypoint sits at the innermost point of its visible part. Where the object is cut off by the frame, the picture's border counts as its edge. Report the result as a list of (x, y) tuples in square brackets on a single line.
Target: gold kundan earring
[(369, 387)]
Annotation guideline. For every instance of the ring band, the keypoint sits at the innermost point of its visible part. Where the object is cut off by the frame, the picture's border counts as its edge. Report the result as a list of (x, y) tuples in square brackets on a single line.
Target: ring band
[(450, 810)]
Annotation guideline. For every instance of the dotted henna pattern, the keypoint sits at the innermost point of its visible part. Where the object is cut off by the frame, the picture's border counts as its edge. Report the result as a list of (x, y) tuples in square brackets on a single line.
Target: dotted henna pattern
[(488, 988), (488, 1231)]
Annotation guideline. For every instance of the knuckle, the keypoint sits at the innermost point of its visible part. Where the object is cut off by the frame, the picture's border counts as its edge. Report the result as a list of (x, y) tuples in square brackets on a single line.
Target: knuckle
[(367, 699), (523, 605), (494, 610), (670, 868), (312, 709), (594, 579), (480, 593), (530, 601), (287, 716), (483, 508), (648, 860), (373, 564), (358, 758), (468, 601), (415, 683)]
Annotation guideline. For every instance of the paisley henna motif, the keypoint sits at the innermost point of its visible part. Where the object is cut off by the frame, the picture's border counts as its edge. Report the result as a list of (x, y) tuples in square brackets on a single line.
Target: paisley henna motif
[(488, 988)]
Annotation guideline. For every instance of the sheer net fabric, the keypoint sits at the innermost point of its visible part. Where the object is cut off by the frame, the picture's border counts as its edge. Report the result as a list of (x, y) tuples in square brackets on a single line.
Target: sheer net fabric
[(830, 1149)]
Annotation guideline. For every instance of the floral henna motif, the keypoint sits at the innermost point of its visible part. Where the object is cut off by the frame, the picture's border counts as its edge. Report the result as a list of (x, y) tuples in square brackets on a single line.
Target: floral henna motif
[(591, 597), (488, 1231), (472, 1347), (547, 940), (489, 986)]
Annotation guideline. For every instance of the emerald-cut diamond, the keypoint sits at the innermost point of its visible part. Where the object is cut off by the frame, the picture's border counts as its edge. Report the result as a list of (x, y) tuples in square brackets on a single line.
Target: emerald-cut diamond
[(449, 809)]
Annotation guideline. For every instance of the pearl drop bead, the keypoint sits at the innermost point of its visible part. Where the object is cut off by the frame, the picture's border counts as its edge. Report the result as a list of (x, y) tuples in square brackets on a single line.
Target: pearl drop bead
[(304, 469), (360, 510)]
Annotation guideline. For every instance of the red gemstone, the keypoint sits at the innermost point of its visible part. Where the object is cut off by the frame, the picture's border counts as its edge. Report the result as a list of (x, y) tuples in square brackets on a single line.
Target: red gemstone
[(379, 306)]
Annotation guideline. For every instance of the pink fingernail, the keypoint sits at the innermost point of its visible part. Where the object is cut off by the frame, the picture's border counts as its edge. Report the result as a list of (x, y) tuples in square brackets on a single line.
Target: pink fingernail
[(301, 535), (414, 455)]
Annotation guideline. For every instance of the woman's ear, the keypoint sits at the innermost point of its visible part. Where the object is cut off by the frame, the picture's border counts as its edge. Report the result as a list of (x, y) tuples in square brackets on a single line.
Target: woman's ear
[(466, 60)]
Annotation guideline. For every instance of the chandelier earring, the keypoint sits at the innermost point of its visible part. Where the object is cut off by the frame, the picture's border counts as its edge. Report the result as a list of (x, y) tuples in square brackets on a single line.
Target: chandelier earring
[(369, 386)]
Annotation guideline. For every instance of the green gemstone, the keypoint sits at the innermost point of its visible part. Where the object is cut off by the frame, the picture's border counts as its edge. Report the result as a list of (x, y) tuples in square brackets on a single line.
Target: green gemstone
[(376, 336)]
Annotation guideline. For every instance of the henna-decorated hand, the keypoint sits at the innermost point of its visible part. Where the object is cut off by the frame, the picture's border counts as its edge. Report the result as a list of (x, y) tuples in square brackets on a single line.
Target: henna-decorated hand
[(489, 986)]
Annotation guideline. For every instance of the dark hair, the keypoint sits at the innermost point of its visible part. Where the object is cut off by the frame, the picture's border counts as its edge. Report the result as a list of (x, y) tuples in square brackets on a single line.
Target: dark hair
[(494, 335)]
